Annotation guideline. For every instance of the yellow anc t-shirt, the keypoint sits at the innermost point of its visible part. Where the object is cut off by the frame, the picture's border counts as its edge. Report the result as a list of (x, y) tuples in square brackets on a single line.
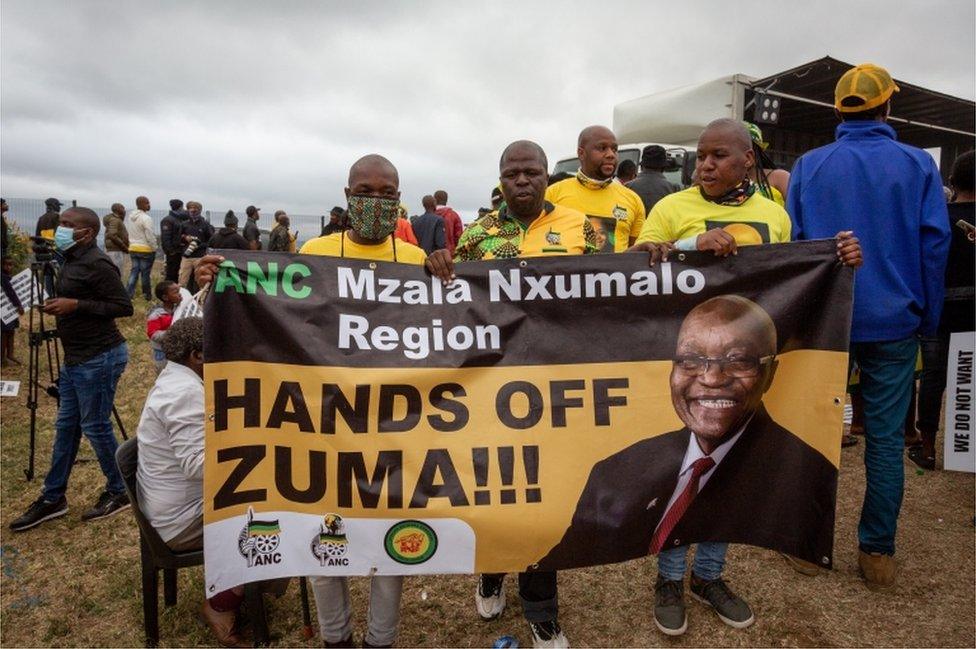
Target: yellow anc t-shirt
[(616, 212), (685, 214), (332, 245), (557, 231)]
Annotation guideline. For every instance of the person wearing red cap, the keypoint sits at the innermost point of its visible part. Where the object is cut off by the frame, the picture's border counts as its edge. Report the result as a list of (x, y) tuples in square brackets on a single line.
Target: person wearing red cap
[(890, 194)]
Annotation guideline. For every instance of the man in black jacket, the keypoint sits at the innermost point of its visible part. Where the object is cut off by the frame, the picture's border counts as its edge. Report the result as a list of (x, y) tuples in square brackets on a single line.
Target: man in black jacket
[(195, 232), (429, 227), (171, 240), (227, 237), (90, 297), (651, 184)]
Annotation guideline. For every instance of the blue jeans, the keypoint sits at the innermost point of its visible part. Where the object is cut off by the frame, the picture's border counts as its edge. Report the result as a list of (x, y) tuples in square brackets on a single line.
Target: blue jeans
[(142, 263), (709, 561), (887, 374), (87, 395)]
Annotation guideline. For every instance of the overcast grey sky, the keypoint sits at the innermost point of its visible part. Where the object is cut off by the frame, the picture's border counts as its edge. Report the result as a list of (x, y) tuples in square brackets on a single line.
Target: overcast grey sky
[(235, 102)]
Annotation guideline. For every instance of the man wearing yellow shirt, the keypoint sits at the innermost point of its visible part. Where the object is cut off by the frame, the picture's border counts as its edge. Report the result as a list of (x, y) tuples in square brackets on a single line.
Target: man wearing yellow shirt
[(723, 213), (526, 225), (374, 204), (615, 211)]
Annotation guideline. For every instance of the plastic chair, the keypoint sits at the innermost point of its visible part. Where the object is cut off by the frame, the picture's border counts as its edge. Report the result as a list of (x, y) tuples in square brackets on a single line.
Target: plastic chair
[(156, 556)]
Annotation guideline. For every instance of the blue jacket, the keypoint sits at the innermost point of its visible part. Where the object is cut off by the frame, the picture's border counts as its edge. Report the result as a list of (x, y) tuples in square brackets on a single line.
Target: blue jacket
[(890, 195)]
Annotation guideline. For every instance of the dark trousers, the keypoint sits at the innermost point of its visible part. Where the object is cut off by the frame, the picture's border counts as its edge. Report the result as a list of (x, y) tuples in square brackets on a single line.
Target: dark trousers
[(173, 266), (935, 357), (540, 597)]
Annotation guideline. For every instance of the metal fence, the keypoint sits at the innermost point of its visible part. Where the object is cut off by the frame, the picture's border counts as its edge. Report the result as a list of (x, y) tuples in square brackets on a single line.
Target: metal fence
[(24, 212)]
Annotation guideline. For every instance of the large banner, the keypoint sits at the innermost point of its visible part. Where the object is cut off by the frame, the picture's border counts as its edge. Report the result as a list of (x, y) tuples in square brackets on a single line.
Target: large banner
[(537, 414)]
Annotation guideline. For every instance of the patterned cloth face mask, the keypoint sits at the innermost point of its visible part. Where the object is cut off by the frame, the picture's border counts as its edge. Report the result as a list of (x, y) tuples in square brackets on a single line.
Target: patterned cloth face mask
[(373, 218), (592, 183), (735, 196)]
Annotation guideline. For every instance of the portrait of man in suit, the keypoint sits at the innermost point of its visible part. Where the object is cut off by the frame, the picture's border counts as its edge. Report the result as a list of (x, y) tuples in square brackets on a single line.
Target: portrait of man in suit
[(730, 474)]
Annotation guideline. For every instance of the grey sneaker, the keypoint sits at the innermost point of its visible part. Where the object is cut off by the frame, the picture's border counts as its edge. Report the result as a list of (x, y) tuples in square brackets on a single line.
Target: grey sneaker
[(669, 606), (730, 608), (38, 512), (107, 505)]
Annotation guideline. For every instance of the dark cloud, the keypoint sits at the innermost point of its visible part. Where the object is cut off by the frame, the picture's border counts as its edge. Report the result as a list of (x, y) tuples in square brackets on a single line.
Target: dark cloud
[(268, 103)]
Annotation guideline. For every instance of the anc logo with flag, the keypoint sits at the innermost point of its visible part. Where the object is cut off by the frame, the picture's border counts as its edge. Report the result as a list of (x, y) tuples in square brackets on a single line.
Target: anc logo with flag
[(258, 539)]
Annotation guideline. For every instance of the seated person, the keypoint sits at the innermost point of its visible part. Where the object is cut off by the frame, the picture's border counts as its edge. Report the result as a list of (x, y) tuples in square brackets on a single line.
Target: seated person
[(160, 317), (169, 480)]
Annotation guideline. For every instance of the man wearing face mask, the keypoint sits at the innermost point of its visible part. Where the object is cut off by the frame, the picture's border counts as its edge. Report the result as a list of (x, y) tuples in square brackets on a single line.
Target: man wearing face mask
[(374, 204), (90, 296), (610, 206)]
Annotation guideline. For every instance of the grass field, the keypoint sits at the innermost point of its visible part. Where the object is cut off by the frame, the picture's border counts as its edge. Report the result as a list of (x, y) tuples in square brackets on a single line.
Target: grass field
[(72, 584)]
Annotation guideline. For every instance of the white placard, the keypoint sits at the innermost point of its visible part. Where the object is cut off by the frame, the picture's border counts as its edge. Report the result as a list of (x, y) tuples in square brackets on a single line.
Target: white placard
[(21, 283), (959, 413), (9, 388)]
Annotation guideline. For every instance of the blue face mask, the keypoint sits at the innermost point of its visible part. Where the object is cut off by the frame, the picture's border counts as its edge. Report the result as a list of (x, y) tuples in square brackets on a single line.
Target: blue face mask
[(64, 238)]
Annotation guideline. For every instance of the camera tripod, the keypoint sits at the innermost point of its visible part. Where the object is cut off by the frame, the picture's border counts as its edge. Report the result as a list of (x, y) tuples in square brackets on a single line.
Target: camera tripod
[(44, 274)]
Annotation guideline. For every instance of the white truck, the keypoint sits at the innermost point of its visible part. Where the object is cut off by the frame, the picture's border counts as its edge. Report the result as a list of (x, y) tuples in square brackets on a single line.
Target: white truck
[(675, 117)]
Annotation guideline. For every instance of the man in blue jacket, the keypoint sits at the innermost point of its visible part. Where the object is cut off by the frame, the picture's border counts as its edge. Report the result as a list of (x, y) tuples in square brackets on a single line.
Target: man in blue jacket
[(890, 195)]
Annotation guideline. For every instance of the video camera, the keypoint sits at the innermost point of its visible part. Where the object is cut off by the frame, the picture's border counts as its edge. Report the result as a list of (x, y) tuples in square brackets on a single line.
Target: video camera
[(42, 248)]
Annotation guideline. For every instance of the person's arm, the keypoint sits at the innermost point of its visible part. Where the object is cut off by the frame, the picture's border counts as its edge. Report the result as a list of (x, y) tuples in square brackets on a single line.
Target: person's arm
[(656, 227), (934, 238), (780, 179), (590, 246), (441, 266), (147, 226), (637, 225), (114, 301), (184, 424), (112, 233), (156, 327), (458, 227), (793, 207), (409, 233)]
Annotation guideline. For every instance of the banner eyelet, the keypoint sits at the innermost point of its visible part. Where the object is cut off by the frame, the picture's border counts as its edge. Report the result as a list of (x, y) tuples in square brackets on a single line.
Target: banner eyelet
[(372, 265), (523, 264)]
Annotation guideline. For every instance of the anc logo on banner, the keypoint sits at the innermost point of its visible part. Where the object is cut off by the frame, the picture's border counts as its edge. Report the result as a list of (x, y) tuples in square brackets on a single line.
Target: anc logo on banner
[(410, 542), (259, 540), (330, 544)]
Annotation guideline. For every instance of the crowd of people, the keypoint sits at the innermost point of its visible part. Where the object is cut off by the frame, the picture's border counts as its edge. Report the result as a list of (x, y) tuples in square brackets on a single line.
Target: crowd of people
[(881, 200)]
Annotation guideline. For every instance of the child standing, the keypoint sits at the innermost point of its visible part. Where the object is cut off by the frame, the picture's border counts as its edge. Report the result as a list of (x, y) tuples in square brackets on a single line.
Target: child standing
[(160, 317)]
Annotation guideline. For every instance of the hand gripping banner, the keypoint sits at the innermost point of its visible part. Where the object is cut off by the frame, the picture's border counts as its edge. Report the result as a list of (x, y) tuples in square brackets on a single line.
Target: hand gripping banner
[(537, 414)]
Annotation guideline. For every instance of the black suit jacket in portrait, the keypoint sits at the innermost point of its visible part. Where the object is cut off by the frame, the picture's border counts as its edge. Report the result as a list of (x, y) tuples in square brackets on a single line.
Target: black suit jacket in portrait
[(770, 490)]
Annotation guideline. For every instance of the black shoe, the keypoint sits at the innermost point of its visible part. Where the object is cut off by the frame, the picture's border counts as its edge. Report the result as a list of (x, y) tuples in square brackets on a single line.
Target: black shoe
[(107, 505), (730, 608), (345, 643), (669, 606), (38, 512)]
